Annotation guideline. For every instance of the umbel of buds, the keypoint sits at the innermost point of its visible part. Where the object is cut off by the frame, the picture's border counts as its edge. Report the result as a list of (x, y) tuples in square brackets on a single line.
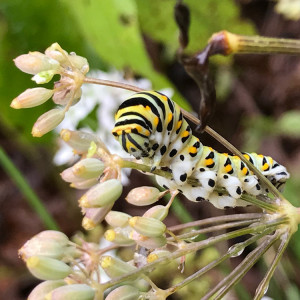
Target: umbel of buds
[(66, 92)]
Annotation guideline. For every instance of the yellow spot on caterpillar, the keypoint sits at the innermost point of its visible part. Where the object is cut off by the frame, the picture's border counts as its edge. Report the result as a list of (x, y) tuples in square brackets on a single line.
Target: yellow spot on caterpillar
[(139, 129), (247, 156), (260, 155), (193, 150), (225, 154), (155, 121), (271, 161), (209, 161), (148, 108), (165, 98), (178, 124), (170, 117), (210, 148), (265, 167), (228, 168), (235, 156), (127, 130), (185, 134), (245, 170)]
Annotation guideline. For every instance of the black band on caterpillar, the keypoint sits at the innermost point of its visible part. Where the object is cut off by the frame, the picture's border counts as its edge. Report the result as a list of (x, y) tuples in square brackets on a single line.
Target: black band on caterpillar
[(150, 126)]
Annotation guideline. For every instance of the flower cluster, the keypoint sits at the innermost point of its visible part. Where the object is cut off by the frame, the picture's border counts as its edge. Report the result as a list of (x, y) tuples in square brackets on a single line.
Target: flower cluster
[(66, 92)]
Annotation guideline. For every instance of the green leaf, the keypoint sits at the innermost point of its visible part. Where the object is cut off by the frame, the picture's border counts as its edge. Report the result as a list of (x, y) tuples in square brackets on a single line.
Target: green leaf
[(289, 123), (112, 28)]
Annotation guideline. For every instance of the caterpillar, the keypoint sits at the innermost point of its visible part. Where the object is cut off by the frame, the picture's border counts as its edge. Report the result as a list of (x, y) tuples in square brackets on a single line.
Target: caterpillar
[(151, 127)]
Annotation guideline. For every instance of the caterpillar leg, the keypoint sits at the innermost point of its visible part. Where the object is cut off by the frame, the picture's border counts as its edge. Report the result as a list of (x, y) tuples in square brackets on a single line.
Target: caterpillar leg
[(232, 184), (223, 201)]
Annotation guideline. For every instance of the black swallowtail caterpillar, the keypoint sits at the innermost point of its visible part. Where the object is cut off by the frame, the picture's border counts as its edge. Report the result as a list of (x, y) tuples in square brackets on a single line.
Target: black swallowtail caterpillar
[(151, 127)]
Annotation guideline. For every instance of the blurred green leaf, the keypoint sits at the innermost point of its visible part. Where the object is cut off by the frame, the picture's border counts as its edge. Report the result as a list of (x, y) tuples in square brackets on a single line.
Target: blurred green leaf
[(112, 28), (289, 123)]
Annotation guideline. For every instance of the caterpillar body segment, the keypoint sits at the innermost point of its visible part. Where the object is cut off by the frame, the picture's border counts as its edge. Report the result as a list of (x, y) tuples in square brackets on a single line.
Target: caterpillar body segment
[(151, 127)]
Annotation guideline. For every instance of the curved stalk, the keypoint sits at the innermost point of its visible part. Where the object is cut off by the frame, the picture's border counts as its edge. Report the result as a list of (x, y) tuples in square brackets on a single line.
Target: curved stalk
[(197, 246), (216, 262), (239, 272), (195, 233), (261, 289), (213, 220)]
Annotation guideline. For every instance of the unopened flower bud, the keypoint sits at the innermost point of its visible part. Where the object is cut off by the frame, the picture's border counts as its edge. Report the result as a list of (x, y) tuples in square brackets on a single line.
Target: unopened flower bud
[(80, 141), (35, 62), (125, 292), (102, 194), (47, 122), (44, 288), (31, 97), (79, 62), (144, 195), (56, 52), (148, 242), (44, 76), (156, 254), (158, 212), (115, 267), (93, 216), (49, 243), (117, 218), (46, 268), (88, 168), (148, 226), (119, 236), (84, 184), (72, 292)]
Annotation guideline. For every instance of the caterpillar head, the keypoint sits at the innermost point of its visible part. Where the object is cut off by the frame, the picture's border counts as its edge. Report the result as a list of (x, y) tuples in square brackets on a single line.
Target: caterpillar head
[(133, 143)]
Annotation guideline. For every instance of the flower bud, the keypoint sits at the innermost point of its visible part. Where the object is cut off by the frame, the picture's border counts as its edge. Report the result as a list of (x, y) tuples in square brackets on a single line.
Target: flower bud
[(84, 184), (93, 216), (102, 194), (35, 62), (144, 195), (79, 140), (43, 77), (69, 176), (47, 122), (156, 254), (66, 91), (119, 236), (49, 243), (46, 268), (148, 226), (72, 292), (148, 242), (125, 292), (117, 218), (158, 212), (88, 168), (115, 267), (31, 98), (56, 52), (79, 62), (41, 290)]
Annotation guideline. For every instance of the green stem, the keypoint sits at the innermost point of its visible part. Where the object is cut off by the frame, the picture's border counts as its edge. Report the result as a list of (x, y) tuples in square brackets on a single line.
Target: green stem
[(197, 246), (239, 272), (214, 220), (261, 289), (262, 204), (216, 262), (195, 233), (27, 191)]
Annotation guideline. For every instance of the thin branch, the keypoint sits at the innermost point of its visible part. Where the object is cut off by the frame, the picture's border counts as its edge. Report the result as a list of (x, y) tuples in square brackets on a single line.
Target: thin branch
[(233, 278), (195, 247), (219, 260), (195, 233), (261, 289), (213, 220)]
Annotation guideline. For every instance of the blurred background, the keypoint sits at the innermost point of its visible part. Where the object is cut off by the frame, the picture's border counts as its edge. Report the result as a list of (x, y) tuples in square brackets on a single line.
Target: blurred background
[(257, 110)]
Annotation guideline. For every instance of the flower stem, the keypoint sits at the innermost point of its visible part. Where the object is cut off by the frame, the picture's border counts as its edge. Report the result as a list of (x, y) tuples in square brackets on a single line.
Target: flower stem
[(261, 289), (216, 262), (197, 246), (213, 220), (239, 272)]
